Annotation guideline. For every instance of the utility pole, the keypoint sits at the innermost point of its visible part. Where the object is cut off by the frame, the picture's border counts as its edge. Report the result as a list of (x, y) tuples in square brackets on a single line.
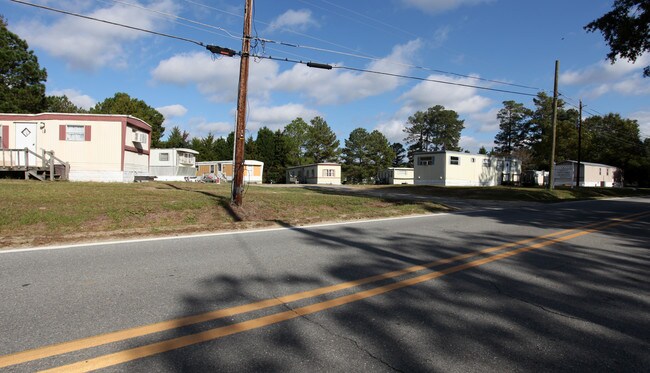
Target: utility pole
[(552, 168), (240, 130), (579, 145)]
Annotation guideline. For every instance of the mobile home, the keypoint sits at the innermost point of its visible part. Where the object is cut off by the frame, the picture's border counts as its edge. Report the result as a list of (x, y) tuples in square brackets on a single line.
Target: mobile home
[(224, 170), (175, 164), (97, 147), (591, 174), (317, 173), (449, 168), (396, 175)]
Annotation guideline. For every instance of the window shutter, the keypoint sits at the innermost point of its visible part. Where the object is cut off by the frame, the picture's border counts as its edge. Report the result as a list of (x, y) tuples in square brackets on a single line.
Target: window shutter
[(86, 133), (5, 137), (62, 132)]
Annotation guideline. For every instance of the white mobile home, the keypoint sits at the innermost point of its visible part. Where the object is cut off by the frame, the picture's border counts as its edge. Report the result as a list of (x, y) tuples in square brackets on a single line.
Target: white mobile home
[(317, 173), (98, 147), (396, 175), (591, 174), (449, 168), (173, 164)]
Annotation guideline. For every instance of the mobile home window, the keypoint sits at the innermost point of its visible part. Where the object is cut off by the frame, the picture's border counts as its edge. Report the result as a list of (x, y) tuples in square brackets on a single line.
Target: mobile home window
[(328, 172), (425, 161), (454, 160), (486, 163), (75, 133), (163, 157)]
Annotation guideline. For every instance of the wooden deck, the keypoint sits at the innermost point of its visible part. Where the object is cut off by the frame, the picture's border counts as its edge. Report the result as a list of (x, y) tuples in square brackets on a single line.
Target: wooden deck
[(28, 164)]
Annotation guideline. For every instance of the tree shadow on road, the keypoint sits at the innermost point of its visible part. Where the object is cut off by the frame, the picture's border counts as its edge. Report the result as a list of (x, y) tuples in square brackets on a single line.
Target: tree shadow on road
[(563, 307)]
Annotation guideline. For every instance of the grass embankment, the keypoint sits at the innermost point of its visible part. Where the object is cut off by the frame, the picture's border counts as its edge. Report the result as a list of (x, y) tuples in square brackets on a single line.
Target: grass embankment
[(36, 213)]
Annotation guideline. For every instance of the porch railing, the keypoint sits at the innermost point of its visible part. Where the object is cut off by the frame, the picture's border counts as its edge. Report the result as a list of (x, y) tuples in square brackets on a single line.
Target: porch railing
[(28, 160)]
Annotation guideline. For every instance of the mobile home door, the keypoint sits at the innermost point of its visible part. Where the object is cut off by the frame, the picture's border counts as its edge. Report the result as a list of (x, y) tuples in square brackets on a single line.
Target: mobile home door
[(26, 138)]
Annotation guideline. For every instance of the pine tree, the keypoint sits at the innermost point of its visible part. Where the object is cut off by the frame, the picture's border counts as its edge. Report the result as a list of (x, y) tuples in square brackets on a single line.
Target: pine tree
[(321, 145), (22, 81)]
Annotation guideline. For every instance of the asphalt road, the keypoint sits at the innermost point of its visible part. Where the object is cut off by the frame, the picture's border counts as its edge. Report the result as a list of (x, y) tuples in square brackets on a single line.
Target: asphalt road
[(554, 287)]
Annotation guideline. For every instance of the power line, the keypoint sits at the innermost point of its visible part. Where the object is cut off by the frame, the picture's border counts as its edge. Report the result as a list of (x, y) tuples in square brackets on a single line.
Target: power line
[(173, 16), (364, 56), (319, 65), (110, 22), (230, 52)]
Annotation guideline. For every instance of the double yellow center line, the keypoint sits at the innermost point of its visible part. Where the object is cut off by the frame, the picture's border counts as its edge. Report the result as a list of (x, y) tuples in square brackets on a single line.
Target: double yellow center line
[(212, 334)]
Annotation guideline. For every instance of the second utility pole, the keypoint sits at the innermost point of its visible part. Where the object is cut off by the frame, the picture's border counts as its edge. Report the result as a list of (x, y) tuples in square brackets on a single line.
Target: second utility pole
[(551, 174), (240, 130)]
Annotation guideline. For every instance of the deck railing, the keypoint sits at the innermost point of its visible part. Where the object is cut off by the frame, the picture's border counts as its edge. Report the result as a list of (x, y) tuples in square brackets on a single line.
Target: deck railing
[(28, 160)]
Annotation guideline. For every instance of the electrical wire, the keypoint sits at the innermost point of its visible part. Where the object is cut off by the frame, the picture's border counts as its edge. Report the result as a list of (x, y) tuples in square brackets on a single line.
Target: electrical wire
[(399, 76), (256, 38), (109, 22), (173, 16)]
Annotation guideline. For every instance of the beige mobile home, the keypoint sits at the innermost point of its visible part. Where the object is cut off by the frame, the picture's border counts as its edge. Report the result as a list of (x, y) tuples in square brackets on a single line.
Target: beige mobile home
[(98, 147), (591, 174), (396, 175), (448, 168), (175, 164), (253, 170), (318, 173)]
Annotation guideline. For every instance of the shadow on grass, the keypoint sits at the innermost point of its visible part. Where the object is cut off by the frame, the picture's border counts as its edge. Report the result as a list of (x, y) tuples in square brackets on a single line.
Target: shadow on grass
[(221, 201)]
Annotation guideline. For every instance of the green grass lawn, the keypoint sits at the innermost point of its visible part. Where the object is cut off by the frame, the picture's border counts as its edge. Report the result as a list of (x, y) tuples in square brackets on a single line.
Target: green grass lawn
[(41, 213), (38, 213)]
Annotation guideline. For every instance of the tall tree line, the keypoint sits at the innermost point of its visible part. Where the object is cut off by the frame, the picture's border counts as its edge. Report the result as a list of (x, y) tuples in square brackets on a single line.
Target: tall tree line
[(608, 139)]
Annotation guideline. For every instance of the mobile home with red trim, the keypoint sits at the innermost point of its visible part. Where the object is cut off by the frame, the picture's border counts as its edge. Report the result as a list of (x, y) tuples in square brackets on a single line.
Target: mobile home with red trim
[(97, 147)]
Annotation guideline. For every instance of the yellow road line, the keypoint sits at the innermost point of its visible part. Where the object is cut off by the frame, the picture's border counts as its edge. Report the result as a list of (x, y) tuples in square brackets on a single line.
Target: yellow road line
[(212, 334), (125, 334)]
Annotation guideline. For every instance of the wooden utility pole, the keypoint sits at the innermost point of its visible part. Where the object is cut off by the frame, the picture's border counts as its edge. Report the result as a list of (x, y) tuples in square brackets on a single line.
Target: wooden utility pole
[(551, 173), (240, 130), (579, 145)]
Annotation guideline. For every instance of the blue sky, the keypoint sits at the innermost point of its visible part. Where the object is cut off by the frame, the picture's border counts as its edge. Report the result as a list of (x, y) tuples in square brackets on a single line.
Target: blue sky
[(510, 41)]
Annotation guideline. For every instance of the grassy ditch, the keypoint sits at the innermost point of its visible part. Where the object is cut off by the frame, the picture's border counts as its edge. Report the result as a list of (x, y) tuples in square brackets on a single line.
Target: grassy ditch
[(36, 213)]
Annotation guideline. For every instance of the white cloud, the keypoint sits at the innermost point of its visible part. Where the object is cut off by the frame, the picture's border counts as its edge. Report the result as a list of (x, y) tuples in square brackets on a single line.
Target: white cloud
[(89, 45), (463, 100), (622, 77), (276, 117), (484, 121), (473, 144), (172, 111), (76, 97), (297, 20), (218, 79), (393, 130), (200, 127), (340, 86), (439, 6), (440, 36), (643, 117)]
